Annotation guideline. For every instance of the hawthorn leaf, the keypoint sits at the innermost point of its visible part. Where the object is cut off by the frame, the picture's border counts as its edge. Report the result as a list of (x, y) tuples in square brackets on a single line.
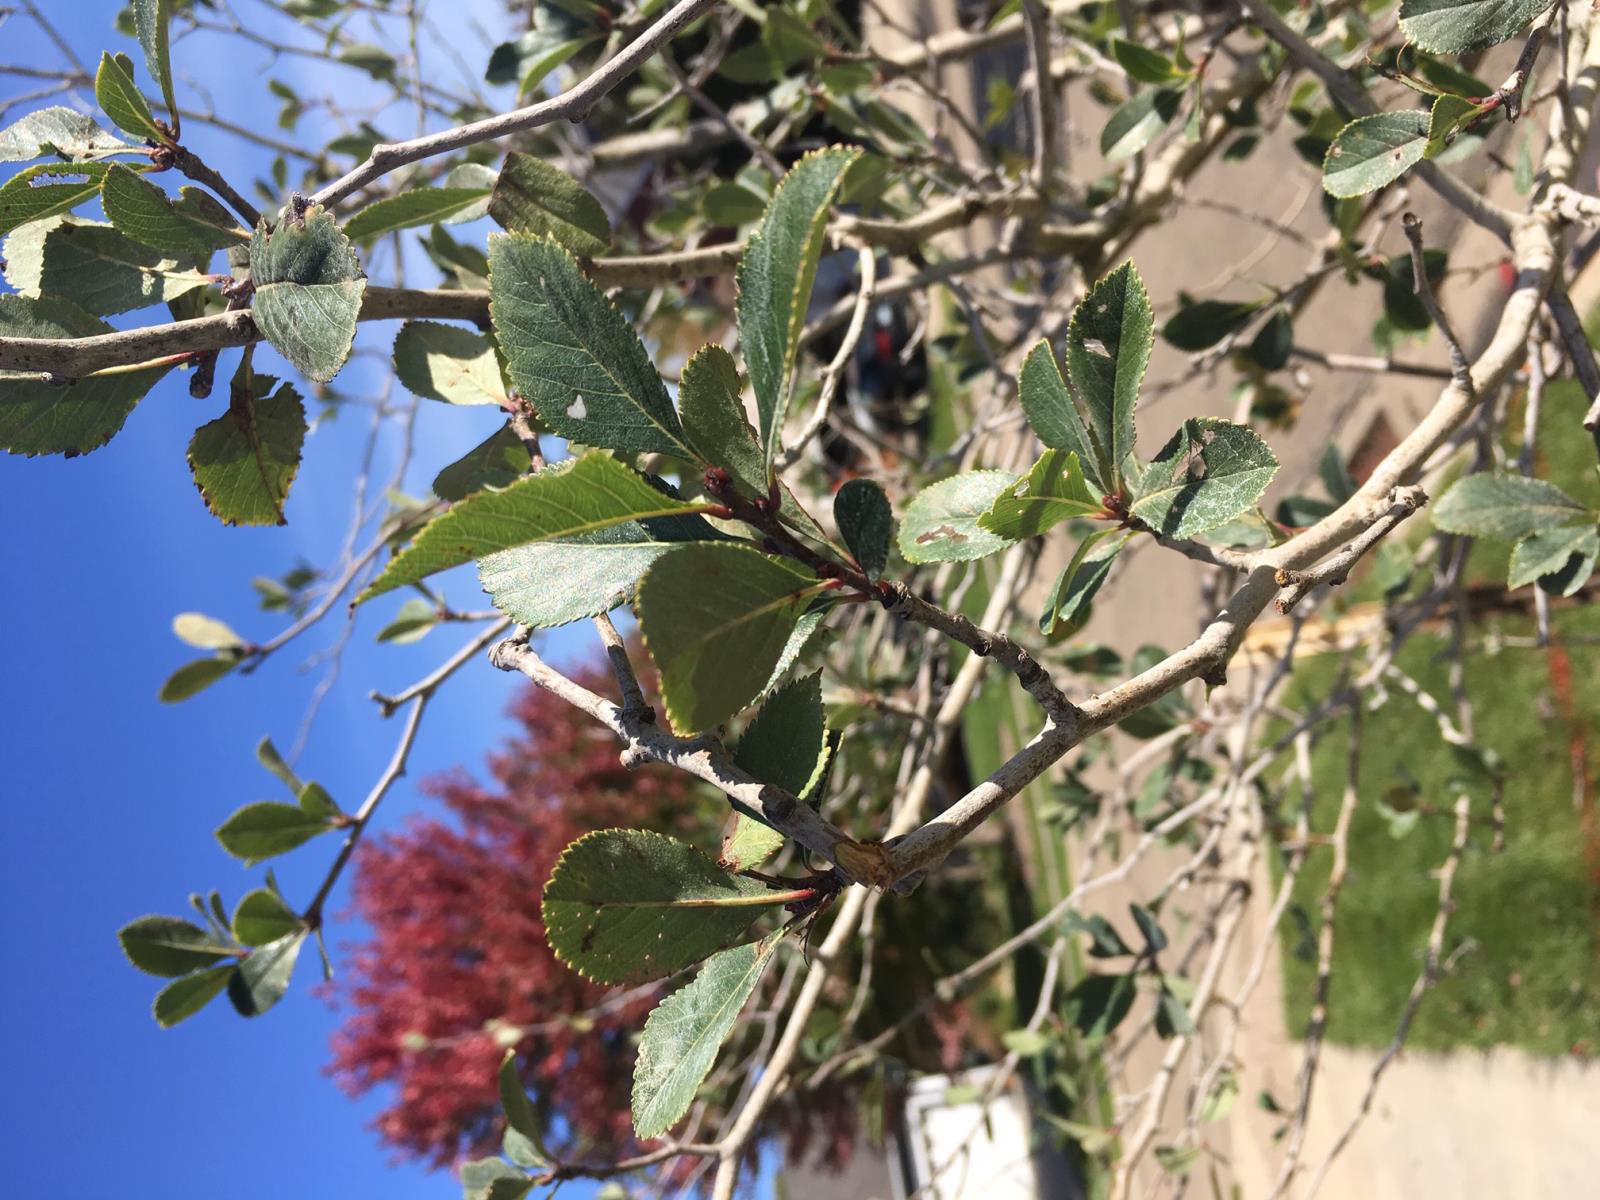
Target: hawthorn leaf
[(545, 584), (60, 131), (419, 206), (193, 225), (185, 996), (1201, 324), (684, 1032), (1143, 64), (1460, 26), (269, 757), (1108, 347), (169, 946), (498, 461), (1051, 492), (308, 290), (41, 417), (1067, 605), (532, 196), (151, 19), (245, 461), (786, 745), (1099, 1003), (448, 363), (1273, 343), (1561, 560), (941, 522), (571, 499), (1372, 151), (520, 1115), (1054, 414), (861, 510), (47, 190), (1138, 121), (629, 906), (205, 633), (263, 917), (573, 354), (267, 829), (1506, 507), (262, 976), (1206, 475), (120, 99), (417, 616), (493, 1179), (195, 677), (775, 278), (96, 267)]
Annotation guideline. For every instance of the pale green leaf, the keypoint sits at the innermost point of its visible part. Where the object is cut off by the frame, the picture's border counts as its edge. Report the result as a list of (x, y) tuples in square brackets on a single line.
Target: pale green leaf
[(1137, 122), (411, 624), (520, 1116), (941, 523), (448, 363), (1142, 63), (1506, 507), (1372, 151), (1459, 26), (628, 906), (1051, 492), (267, 829), (573, 355), (95, 267), (1209, 473), (151, 19), (532, 196), (46, 190), (420, 206), (308, 291), (775, 278), (1108, 348), (1547, 554), (683, 1034), (205, 633), (560, 503), (195, 224), (59, 131), (263, 917)]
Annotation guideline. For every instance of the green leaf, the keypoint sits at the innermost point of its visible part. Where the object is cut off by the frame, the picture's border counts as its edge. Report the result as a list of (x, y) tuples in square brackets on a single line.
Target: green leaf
[(573, 355), (151, 19), (59, 131), (1068, 602), (1098, 1004), (1209, 473), (733, 204), (205, 633), (95, 267), (195, 677), (1372, 151), (169, 946), (308, 291), (498, 461), (578, 497), (46, 190), (448, 363), (1105, 941), (545, 584), (263, 976), (1053, 413), (1459, 26), (1506, 507), (520, 1116), (1025, 1043), (1137, 122), (193, 225), (493, 1179), (246, 459), (1108, 348), (941, 523), (1176, 1160), (374, 60), (558, 35), (184, 997), (263, 917), (420, 206), (1051, 492), (1143, 64), (120, 99), (775, 278), (787, 746), (1149, 928), (1272, 344), (41, 417), (628, 906), (266, 829), (267, 754), (412, 623), (1172, 1016), (716, 617), (861, 510), (682, 1036), (1545, 556), (1449, 115), (1201, 324), (315, 801), (531, 196)]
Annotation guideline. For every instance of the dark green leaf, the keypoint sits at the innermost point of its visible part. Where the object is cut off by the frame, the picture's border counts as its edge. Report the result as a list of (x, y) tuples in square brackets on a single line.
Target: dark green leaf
[(1067, 605), (493, 1179), (1172, 1017), (1459, 26), (374, 60), (941, 523), (246, 459), (531, 196), (1143, 64), (716, 618), (1154, 936), (263, 917), (572, 499), (1201, 324), (1051, 492), (415, 618), (59, 131), (787, 746), (497, 462), (1098, 1004), (193, 225), (1372, 151), (1053, 413), (46, 190), (151, 19), (573, 355), (119, 98), (1273, 342), (184, 997), (861, 510), (683, 1034), (315, 801), (308, 291), (775, 277), (1105, 941), (1544, 557), (1137, 121), (169, 946), (1209, 473), (628, 906), (1108, 348), (194, 677), (520, 1117), (265, 829), (733, 204), (263, 976), (1507, 507), (448, 363)]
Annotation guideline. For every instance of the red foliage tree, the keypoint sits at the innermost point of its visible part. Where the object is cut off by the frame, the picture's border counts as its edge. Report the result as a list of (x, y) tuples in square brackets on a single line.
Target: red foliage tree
[(457, 966)]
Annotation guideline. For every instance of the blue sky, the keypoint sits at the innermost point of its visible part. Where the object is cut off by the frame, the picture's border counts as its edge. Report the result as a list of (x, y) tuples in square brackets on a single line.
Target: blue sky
[(112, 796)]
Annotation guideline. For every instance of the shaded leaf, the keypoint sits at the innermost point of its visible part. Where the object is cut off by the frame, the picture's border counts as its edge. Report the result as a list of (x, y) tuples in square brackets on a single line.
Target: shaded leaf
[(1067, 605), (246, 459), (411, 624), (195, 224), (1209, 473), (169, 946), (262, 977), (1108, 348), (151, 19), (498, 461), (628, 906), (184, 997), (448, 363), (532, 196), (941, 523), (308, 291), (419, 206), (1544, 557), (1098, 1004), (1137, 122), (95, 267), (1459, 26), (1142, 63), (1201, 324), (266, 829), (1051, 492), (786, 745), (60, 131), (195, 677), (520, 1116), (861, 510)]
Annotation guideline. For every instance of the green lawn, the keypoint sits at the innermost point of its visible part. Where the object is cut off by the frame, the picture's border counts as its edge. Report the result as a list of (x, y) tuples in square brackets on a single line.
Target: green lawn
[(1532, 978)]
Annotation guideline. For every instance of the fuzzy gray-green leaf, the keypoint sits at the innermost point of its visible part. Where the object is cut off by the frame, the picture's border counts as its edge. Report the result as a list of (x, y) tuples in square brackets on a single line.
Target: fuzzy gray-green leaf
[(60, 131), (1506, 507), (1459, 26), (1207, 474), (532, 196), (1108, 348), (1051, 492), (308, 291), (941, 523), (195, 224), (1372, 151)]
